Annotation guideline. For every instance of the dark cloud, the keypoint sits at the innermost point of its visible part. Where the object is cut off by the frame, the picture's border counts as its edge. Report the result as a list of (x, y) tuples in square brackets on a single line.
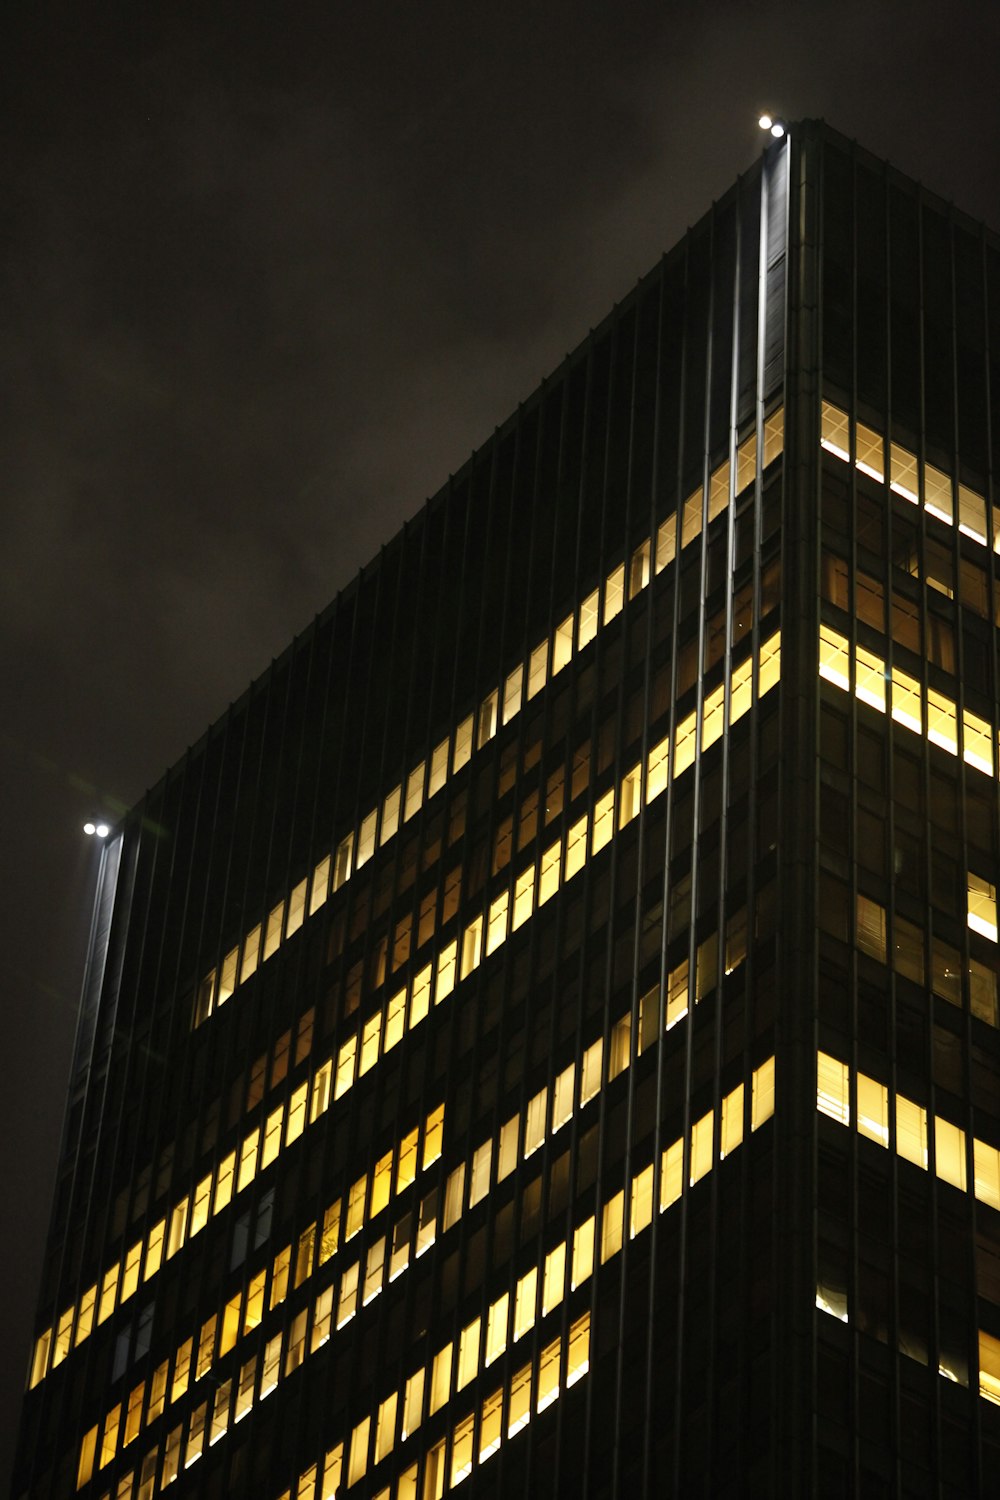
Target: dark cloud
[(265, 282)]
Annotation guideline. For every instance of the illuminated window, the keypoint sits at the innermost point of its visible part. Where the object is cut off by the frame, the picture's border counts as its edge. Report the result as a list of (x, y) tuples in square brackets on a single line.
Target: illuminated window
[(433, 1136), (496, 1329), (911, 1131), (374, 1271), (873, 1110), (834, 658), (230, 1324), (272, 931), (491, 1425), (224, 1184), (977, 742), (357, 1461), (583, 1253), (949, 1153), (554, 1278), (989, 1367), (157, 1391), (741, 690), (614, 593), (638, 569), (366, 839), (345, 1066), (641, 1204), (272, 1136), (251, 954), (870, 678), (588, 620), (657, 762), (133, 1414), (370, 1037), (691, 517), (685, 743), (903, 473), (440, 1379), (762, 1095), (621, 1045), (835, 431), (982, 911), (611, 1226), (870, 455), (395, 1021), (519, 1406), (746, 463), (576, 847), (385, 1427), (454, 1197), (534, 1125), (347, 1301), (507, 1154), (871, 929), (381, 1184), (562, 644), (562, 1097), (220, 1412), (942, 725), (537, 665), (548, 1375), (832, 1089), (769, 671), (701, 1146), (88, 1302), (248, 1169), (732, 1122), (604, 821), (671, 1174), (479, 1182), (109, 1289), (677, 994), (355, 1208), (109, 1438), (463, 744), (206, 1346), (578, 1351), (472, 946), (524, 893), (413, 1400), (718, 491), (525, 1297), (938, 499), (986, 1163), (468, 1355), (548, 882), (182, 1370), (590, 1072), (342, 861)]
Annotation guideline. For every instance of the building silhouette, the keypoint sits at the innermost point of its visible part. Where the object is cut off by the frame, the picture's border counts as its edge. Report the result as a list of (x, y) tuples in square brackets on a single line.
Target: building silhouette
[(544, 1036)]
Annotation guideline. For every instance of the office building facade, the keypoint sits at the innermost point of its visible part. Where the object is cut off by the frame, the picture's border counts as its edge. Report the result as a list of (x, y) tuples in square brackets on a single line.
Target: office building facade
[(544, 1038)]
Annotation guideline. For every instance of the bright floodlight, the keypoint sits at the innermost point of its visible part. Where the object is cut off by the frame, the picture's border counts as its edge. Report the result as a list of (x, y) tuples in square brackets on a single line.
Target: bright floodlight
[(102, 830), (765, 122), (777, 130), (89, 829)]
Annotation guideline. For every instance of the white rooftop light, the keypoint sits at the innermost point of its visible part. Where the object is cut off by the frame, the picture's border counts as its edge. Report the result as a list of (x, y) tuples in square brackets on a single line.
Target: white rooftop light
[(90, 829), (777, 130), (102, 830), (765, 122)]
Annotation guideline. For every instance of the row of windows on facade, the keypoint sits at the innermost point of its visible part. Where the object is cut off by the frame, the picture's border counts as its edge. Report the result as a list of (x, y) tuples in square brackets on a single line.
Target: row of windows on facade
[(920, 483), (931, 1142), (519, 1138), (537, 1292), (498, 708), (386, 1026)]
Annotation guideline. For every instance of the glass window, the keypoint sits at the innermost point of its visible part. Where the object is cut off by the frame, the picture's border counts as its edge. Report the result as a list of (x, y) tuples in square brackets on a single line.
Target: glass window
[(982, 914), (873, 1110), (641, 1202), (513, 690), (671, 1174), (612, 1226), (938, 500), (762, 1095), (949, 1152), (942, 721), (834, 658), (496, 1329), (870, 458), (870, 678), (525, 1297), (588, 620), (832, 1089), (906, 708), (583, 1253), (701, 1146), (732, 1122), (903, 473), (911, 1131), (614, 593), (986, 1163), (554, 1278), (562, 644), (604, 821), (463, 744), (835, 431), (666, 543), (977, 742)]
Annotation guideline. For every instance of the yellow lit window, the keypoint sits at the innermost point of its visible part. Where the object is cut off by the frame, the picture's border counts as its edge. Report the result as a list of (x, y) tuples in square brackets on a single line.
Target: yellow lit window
[(713, 717), (64, 1332), (230, 1324), (834, 658), (562, 644), (614, 593), (701, 1146), (244, 1389), (496, 925), (357, 1461), (109, 1292), (525, 1298), (472, 942), (718, 491), (433, 1136), (479, 1180), (989, 1367), (548, 882), (332, 1466), (741, 690), (109, 1439), (835, 431), (641, 1204), (381, 1184), (677, 994), (296, 1114), (942, 726), (548, 1375), (345, 1066), (206, 1346), (88, 1306), (254, 1310), (903, 473), (330, 1236), (385, 1427), (272, 932), (347, 1301), (833, 1089), (537, 665), (491, 1426), (873, 1110), (590, 1072), (576, 847), (227, 976), (685, 744), (524, 895), (272, 1365), (248, 1170), (413, 1401), (762, 1097), (519, 1406), (666, 543), (320, 885), (447, 960), (406, 1169), (746, 463), (319, 1096), (468, 1355), (272, 1136), (440, 1379), (296, 908), (439, 767), (949, 1153), (870, 678), (578, 1351), (370, 1037), (554, 1278), (224, 1184), (251, 955), (366, 838), (604, 821), (638, 569), (611, 1226), (196, 1435), (414, 792), (355, 1208), (88, 1452), (977, 742), (488, 718), (871, 928), (182, 1370), (906, 709), (972, 514), (691, 518), (732, 1122), (986, 1163), (343, 861), (982, 907), (588, 620), (769, 671), (205, 999), (507, 1154), (534, 1125), (462, 752), (454, 1197), (774, 436), (657, 763), (583, 1253), (938, 498), (513, 692), (671, 1174), (304, 1252), (374, 1271), (496, 1329), (870, 452), (395, 1019), (130, 1270), (911, 1131), (562, 1097)]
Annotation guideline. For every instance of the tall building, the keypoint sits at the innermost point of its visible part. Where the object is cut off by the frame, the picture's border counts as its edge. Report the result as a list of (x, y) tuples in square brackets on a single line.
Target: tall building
[(544, 1036)]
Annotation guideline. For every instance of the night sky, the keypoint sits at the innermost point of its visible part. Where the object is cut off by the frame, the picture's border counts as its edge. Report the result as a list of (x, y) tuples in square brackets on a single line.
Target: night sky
[(269, 275)]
